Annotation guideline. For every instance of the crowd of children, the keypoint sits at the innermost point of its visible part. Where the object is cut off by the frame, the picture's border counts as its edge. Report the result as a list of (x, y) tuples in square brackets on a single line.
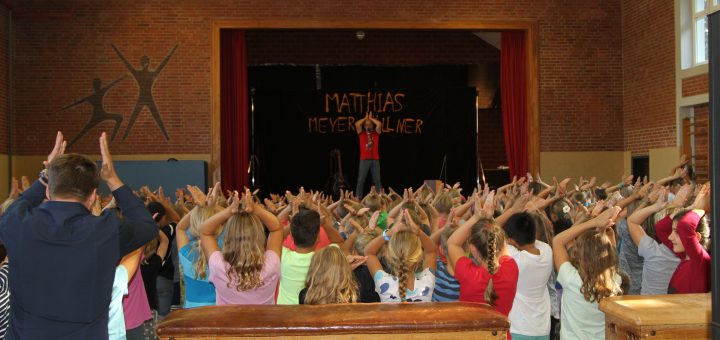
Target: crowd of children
[(542, 254)]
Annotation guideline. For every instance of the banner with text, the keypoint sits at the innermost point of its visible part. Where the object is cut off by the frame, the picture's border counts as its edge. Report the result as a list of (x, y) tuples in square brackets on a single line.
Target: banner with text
[(421, 130)]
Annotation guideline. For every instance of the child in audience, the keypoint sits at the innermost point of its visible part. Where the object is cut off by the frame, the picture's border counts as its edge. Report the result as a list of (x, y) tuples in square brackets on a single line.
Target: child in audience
[(446, 286), (691, 235), (198, 290), (411, 258), (247, 269), (362, 236), (305, 227), (588, 277), (151, 264), (530, 313), (123, 273), (494, 279), (330, 278), (659, 261)]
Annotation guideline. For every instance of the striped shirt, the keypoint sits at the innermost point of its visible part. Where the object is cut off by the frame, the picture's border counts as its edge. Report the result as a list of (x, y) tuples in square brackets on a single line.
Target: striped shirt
[(4, 299), (446, 287)]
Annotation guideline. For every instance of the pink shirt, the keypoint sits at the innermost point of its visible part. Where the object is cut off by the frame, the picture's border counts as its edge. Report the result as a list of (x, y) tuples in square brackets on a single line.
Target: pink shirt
[(263, 295), (135, 304)]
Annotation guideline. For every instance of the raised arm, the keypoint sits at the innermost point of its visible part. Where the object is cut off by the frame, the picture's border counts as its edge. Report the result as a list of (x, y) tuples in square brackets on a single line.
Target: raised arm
[(275, 237), (131, 262), (378, 124), (639, 216), (209, 228), (181, 236), (560, 241), (429, 247), (108, 86), (166, 59), (359, 124), (138, 227), (125, 61)]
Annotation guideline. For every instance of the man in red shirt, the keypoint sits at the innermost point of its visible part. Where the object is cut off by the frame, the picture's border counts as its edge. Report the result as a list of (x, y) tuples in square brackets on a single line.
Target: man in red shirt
[(368, 130)]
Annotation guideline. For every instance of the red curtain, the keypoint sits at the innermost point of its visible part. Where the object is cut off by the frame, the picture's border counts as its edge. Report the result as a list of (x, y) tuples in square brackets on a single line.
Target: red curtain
[(514, 99), (234, 153)]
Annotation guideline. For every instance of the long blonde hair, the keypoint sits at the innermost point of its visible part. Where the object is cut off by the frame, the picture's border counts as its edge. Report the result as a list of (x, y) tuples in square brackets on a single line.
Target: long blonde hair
[(330, 279), (405, 257), (197, 216), (596, 260), (244, 250)]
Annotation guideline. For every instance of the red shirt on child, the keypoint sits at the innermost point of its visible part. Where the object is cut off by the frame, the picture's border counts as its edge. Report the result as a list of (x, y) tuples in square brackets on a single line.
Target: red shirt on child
[(474, 279), (692, 275)]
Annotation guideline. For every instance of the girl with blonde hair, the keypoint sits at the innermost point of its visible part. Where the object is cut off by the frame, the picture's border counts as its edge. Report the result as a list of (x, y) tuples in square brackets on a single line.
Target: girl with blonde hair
[(411, 259), (198, 290), (247, 269), (330, 278)]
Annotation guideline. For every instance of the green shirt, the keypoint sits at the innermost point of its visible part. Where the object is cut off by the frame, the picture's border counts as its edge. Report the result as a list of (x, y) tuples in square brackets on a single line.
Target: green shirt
[(294, 268), (382, 220)]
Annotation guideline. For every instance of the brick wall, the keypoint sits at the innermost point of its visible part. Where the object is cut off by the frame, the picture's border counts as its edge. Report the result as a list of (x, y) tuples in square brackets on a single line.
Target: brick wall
[(695, 85), (59, 52), (702, 142), (648, 65), (341, 47)]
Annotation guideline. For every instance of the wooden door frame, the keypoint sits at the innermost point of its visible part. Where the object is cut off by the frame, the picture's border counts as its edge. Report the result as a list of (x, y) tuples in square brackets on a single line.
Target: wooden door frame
[(531, 41)]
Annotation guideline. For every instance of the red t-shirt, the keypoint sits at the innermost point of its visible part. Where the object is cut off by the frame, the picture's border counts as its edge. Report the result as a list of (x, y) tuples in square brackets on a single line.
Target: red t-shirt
[(474, 279), (322, 242), (369, 142), (692, 275)]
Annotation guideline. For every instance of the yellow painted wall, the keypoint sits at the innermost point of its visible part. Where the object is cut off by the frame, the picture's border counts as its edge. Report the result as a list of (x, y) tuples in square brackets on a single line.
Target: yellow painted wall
[(605, 165), (4, 188), (662, 160)]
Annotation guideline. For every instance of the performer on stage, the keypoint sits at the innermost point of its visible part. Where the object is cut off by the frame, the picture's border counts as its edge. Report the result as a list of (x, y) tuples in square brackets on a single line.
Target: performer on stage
[(368, 130)]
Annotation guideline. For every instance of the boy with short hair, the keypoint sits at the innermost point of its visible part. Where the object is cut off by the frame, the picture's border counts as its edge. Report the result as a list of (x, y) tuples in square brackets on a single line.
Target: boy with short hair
[(530, 313)]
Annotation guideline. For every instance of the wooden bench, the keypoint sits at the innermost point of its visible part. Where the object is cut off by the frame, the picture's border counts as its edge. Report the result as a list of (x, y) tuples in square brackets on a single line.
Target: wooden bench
[(416, 321), (678, 316)]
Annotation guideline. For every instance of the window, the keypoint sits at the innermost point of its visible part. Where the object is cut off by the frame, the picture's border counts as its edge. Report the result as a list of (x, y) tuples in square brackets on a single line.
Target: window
[(700, 10)]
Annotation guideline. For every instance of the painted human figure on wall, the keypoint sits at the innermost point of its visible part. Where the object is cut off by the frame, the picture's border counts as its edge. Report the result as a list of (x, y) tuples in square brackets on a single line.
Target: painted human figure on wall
[(98, 113), (145, 78)]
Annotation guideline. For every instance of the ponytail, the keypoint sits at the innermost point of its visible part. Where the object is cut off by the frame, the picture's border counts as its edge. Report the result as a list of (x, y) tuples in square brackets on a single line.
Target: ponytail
[(489, 240), (490, 295)]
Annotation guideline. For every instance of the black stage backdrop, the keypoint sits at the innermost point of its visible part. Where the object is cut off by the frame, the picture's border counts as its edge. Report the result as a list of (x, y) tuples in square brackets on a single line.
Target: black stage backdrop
[(428, 113)]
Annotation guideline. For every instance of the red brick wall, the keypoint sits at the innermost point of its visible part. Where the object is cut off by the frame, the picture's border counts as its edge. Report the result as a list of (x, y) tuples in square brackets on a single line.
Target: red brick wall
[(648, 66), (581, 91), (695, 85), (702, 142), (377, 48)]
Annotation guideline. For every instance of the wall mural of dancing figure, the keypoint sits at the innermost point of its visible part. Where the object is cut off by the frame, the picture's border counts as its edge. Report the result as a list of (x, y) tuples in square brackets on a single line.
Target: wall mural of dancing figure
[(98, 113), (145, 78)]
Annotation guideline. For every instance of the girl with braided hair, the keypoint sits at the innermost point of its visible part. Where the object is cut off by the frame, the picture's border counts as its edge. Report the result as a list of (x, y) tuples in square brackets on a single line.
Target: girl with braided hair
[(494, 279), (411, 258)]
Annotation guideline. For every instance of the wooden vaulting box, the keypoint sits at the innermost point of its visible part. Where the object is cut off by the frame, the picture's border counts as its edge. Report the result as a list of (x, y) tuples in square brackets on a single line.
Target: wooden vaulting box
[(416, 321), (679, 316)]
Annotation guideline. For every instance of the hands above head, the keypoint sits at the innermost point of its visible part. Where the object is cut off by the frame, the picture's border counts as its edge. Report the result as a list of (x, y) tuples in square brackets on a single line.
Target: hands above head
[(15, 190), (58, 149), (702, 200), (107, 170), (356, 261)]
